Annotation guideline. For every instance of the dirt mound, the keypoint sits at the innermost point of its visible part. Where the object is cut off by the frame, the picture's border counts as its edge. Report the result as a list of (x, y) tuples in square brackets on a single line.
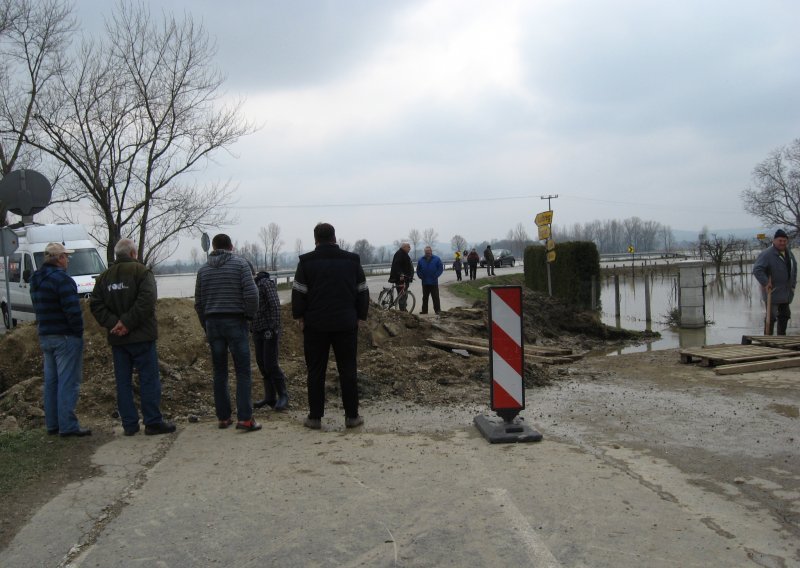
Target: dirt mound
[(394, 360)]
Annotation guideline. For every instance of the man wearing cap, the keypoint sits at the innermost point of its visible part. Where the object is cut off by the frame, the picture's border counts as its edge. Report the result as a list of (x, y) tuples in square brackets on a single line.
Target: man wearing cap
[(124, 302), (776, 271), (60, 325)]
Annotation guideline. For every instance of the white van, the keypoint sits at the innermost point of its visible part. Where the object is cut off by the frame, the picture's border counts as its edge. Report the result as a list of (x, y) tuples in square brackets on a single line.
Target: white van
[(84, 265)]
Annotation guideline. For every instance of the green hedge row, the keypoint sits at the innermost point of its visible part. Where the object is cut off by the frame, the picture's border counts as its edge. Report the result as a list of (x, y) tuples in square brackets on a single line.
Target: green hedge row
[(576, 265)]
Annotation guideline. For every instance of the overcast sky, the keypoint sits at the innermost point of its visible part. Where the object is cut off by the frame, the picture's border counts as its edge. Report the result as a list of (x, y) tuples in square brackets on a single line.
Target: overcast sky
[(382, 116)]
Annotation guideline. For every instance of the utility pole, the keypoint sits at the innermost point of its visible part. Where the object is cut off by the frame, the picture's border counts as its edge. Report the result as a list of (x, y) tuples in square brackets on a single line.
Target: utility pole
[(549, 279)]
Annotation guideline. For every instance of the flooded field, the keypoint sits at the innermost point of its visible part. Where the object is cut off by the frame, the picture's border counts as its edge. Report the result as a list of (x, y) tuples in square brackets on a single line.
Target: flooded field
[(733, 307)]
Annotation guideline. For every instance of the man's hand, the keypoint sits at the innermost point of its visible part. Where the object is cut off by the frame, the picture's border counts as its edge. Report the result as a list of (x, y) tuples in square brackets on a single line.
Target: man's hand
[(120, 329)]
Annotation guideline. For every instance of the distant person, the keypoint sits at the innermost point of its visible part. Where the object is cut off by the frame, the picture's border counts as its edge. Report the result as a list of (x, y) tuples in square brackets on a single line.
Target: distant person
[(488, 256), (330, 299), (472, 260), (429, 268), (457, 265), (401, 273), (776, 271), (266, 329), (59, 322), (225, 299), (124, 302)]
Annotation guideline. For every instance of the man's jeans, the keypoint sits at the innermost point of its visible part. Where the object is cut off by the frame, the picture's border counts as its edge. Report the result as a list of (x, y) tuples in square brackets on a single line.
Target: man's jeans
[(63, 369), (143, 357), (230, 334)]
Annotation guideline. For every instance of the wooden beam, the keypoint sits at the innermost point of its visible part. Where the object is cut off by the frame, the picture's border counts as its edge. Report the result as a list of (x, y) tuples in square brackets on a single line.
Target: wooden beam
[(758, 366)]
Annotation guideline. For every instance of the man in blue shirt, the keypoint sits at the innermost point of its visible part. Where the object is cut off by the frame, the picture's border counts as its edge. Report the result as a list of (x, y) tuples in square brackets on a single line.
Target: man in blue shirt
[(429, 268)]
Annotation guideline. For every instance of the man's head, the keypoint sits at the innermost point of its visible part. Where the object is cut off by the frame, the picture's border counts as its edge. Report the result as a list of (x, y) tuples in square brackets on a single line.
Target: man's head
[(324, 234), (489, 246), (125, 248), (406, 247), (780, 240), (428, 252), (57, 254), (221, 242)]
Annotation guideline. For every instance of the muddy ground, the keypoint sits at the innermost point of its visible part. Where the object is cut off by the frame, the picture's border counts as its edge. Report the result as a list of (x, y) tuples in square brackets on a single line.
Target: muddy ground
[(395, 360)]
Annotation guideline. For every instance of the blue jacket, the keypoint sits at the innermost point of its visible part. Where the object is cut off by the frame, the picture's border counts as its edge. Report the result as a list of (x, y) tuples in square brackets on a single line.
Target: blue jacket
[(56, 302), (430, 270)]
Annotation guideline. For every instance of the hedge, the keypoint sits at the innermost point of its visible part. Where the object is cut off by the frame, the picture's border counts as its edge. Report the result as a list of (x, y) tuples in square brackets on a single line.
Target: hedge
[(576, 264)]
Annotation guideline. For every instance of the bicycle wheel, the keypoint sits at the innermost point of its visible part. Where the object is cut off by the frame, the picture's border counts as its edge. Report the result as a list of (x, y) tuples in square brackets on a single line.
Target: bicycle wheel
[(385, 299), (411, 301)]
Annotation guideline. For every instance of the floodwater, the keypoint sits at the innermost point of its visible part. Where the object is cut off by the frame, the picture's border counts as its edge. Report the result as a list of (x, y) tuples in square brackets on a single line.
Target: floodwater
[(733, 307)]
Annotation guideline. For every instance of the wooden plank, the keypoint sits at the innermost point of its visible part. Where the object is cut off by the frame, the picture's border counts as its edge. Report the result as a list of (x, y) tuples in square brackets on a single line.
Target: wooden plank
[(782, 363), (535, 349), (480, 350)]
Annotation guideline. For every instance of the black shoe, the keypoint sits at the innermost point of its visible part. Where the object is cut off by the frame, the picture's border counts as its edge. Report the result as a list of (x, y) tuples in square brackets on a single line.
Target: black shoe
[(283, 402), (312, 423), (52, 432), (264, 402), (353, 422), (160, 428), (132, 430), (80, 433)]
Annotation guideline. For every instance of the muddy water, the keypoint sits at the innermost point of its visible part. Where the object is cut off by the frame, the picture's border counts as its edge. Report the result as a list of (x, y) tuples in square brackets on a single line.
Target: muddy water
[(733, 307)]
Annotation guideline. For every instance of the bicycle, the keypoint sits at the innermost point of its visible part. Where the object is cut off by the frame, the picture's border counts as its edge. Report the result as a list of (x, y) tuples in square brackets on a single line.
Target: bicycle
[(388, 298)]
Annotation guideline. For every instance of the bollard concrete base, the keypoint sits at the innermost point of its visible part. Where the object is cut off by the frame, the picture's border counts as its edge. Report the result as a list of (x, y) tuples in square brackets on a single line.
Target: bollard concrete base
[(498, 431)]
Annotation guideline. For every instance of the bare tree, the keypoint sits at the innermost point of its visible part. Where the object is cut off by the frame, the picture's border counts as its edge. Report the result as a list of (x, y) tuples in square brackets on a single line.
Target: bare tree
[(429, 237), (414, 239), (139, 111), (667, 238), (298, 247), (458, 243), (33, 38), (343, 244), (195, 256), (365, 250), (774, 196), (271, 237), (720, 249), (518, 236)]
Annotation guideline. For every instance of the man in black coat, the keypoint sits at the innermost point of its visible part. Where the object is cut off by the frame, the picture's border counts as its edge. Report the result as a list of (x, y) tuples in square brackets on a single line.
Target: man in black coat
[(330, 299), (402, 272)]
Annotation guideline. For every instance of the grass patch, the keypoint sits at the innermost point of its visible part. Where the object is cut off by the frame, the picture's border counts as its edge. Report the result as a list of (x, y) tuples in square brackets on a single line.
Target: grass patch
[(473, 290), (27, 456)]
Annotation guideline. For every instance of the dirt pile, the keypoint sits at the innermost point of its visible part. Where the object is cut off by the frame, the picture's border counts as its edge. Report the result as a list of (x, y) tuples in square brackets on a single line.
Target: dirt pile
[(394, 360)]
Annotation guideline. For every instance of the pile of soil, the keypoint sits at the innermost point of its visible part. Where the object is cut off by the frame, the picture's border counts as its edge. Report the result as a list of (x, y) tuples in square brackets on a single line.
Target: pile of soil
[(394, 360)]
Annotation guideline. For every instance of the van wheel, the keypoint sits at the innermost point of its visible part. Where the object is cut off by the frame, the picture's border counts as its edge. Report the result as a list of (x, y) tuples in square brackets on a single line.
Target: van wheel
[(6, 320)]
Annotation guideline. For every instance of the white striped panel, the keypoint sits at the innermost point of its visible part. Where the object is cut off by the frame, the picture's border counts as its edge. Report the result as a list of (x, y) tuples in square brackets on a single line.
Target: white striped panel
[(507, 319), (505, 376)]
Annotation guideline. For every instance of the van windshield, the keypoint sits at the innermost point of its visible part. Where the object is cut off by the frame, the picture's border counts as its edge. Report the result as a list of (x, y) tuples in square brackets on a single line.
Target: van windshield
[(81, 262)]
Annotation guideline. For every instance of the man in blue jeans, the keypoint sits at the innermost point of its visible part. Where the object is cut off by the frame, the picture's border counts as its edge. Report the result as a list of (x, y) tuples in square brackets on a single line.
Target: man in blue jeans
[(60, 326), (225, 299), (124, 302)]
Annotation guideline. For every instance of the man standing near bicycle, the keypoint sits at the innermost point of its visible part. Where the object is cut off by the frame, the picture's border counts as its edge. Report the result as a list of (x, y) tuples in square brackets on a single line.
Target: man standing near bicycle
[(402, 273), (429, 268)]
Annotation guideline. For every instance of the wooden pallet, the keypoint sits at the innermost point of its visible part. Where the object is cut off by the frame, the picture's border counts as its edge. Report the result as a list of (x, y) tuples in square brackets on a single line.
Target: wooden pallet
[(780, 341), (739, 368), (711, 356)]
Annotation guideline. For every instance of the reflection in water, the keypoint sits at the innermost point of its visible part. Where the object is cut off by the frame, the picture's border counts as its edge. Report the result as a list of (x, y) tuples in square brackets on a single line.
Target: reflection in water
[(733, 304)]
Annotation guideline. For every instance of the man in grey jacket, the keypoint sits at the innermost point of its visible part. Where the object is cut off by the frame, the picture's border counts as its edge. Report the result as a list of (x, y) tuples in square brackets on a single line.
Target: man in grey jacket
[(776, 271), (225, 299)]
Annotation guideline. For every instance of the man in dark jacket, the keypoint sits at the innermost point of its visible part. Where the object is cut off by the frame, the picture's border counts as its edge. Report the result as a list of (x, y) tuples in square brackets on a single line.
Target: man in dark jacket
[(429, 268), (488, 256), (124, 302), (225, 299), (776, 271), (330, 299), (266, 328), (402, 272), (60, 324)]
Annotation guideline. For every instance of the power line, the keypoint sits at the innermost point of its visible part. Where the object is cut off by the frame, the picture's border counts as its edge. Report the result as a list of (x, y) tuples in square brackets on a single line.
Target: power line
[(385, 203)]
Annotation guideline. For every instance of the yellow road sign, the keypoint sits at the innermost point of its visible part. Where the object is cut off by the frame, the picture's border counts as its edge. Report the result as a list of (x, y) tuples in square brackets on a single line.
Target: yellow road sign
[(544, 232), (631, 249), (550, 244), (761, 236), (544, 218), (551, 256)]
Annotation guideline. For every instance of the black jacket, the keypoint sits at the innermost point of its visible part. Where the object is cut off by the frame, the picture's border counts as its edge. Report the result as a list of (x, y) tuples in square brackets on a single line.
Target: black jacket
[(401, 264), (330, 290)]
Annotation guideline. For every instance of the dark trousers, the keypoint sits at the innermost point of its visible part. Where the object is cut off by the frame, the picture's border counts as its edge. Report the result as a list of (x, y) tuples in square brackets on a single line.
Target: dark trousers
[(317, 346), (458, 274), (431, 290), (267, 349), (780, 313), (473, 271), (490, 268)]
